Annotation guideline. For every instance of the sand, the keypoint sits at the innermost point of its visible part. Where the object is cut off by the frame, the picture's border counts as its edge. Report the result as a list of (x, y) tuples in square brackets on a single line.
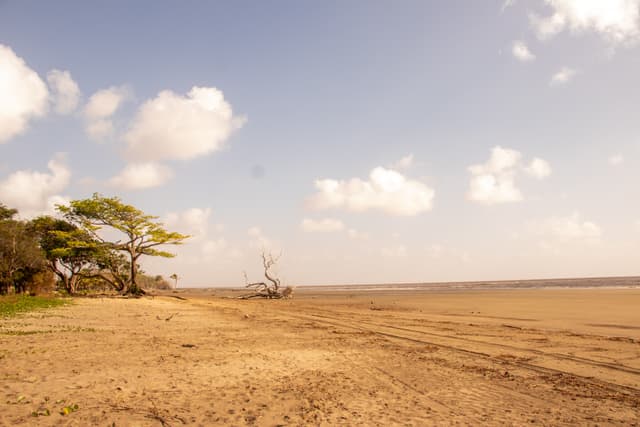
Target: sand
[(500, 357)]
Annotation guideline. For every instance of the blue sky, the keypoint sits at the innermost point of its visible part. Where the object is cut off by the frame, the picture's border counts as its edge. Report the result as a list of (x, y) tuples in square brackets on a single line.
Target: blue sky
[(370, 141)]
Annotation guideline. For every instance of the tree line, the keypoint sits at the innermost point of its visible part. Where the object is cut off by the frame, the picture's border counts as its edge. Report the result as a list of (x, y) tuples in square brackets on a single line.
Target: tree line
[(94, 240)]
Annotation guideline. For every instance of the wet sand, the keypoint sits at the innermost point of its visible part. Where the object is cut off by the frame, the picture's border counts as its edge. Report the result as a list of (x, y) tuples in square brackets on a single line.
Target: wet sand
[(328, 357)]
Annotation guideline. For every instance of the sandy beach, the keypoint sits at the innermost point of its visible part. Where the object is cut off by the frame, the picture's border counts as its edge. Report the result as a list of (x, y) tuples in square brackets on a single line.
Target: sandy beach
[(472, 357)]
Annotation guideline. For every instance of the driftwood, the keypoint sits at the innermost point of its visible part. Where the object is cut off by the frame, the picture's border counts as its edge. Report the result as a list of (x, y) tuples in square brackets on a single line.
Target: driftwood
[(273, 288)]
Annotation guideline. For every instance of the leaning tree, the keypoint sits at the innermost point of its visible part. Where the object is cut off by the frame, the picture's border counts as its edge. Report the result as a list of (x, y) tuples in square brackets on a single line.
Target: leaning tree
[(138, 234)]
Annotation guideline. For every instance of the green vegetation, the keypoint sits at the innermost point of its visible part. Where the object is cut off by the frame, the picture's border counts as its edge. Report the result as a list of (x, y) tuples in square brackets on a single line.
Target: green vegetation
[(73, 252), (12, 304), (140, 234)]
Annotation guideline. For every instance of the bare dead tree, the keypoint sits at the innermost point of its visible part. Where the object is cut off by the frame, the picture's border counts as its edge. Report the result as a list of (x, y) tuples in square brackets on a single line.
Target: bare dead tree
[(272, 289)]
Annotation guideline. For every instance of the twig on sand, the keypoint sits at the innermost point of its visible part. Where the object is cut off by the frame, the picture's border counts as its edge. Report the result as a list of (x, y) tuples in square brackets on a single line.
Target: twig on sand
[(152, 413)]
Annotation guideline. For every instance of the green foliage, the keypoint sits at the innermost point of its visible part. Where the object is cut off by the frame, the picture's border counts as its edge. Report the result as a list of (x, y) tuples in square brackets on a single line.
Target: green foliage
[(6, 213), (14, 304), (141, 235), (68, 249), (20, 256)]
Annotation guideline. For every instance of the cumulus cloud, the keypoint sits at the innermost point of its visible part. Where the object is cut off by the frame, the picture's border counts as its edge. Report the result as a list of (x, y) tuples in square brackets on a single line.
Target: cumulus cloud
[(386, 190), (563, 76), (193, 221), (493, 182), (521, 52), (616, 160), (325, 225), (100, 108), (566, 229), (172, 126), (35, 193), (65, 91), (24, 94), (538, 168), (618, 21), (139, 176)]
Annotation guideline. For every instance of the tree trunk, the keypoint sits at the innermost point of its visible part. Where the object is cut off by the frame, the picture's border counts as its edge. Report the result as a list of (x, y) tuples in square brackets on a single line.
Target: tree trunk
[(133, 288)]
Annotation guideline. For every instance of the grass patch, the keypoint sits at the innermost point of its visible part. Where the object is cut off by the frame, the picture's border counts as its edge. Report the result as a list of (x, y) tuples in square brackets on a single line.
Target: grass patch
[(14, 304)]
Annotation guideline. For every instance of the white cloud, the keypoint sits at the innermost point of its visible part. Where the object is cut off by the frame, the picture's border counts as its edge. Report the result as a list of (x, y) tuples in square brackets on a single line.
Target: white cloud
[(326, 225), (139, 176), (24, 95), (493, 182), (386, 190), (65, 91), (404, 163), (171, 126), (193, 221), (101, 106), (616, 160), (538, 168), (562, 230), (521, 52), (563, 76), (617, 21), (35, 193)]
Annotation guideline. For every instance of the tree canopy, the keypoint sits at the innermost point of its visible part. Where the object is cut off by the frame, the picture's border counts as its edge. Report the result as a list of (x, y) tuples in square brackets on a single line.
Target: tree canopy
[(6, 213), (20, 255), (141, 234), (70, 251)]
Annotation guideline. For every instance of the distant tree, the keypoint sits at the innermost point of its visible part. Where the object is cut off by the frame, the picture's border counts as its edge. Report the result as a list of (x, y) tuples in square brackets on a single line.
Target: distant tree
[(6, 213), (140, 235), (156, 282), (20, 256), (175, 278)]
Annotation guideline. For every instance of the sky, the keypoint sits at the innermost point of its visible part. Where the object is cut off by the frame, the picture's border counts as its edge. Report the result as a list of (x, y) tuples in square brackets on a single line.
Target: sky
[(366, 141)]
